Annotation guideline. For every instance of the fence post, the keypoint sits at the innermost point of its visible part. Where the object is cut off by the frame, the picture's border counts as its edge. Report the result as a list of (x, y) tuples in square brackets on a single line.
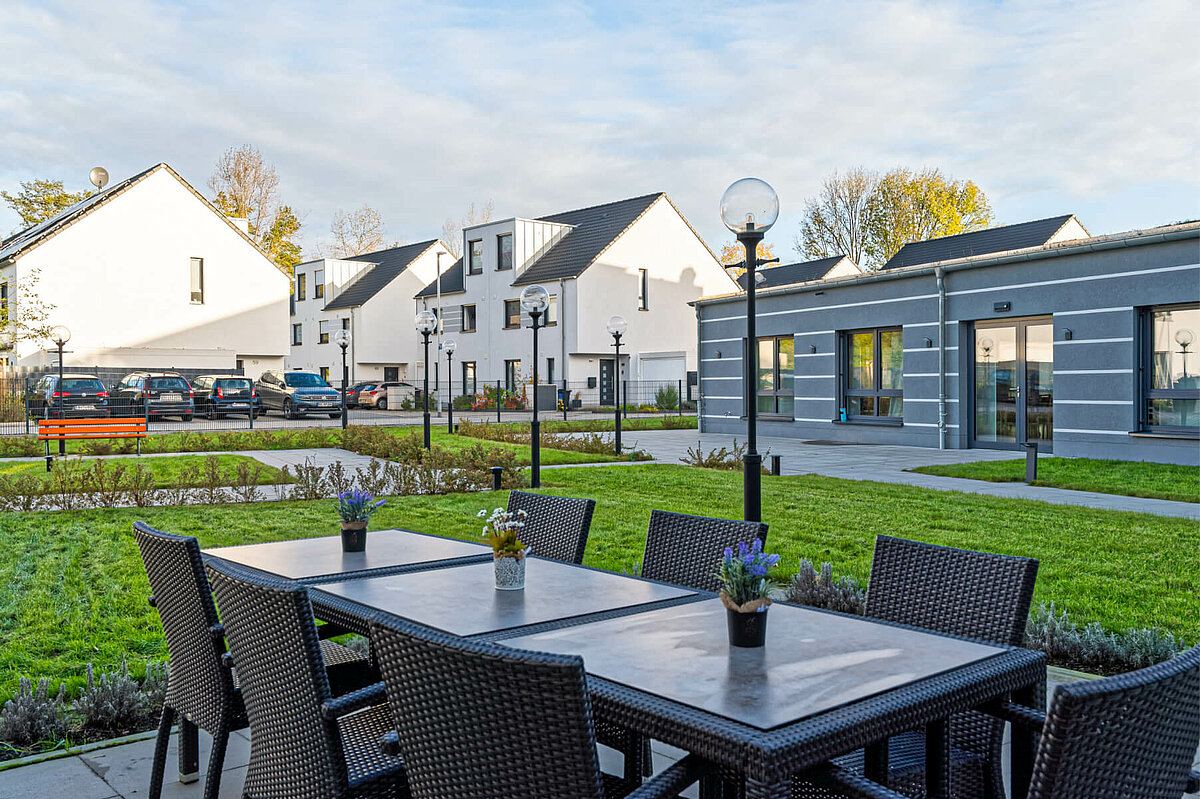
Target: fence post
[(252, 398), (146, 409), (624, 399), (566, 399), (679, 392), (497, 403), (26, 411)]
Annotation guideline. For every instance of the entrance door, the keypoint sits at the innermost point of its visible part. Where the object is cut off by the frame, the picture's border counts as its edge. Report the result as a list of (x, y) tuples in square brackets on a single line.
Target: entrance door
[(606, 382), (1014, 384)]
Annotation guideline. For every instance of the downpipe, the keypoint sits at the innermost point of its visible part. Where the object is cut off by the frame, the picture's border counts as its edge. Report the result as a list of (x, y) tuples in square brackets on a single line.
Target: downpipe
[(941, 290)]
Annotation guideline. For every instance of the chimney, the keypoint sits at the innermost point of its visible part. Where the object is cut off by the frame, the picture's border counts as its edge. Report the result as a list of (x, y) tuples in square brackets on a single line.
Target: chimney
[(241, 223)]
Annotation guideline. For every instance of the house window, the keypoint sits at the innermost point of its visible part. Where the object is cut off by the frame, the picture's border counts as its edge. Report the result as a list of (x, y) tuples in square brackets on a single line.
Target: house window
[(512, 377), (475, 257), (551, 317), (504, 252), (549, 370), (468, 377), (346, 323), (3, 296), (873, 382), (776, 371), (323, 336), (391, 374), (301, 286), (512, 314), (324, 370), (1171, 369), (643, 290), (318, 283), (197, 270), (468, 319), (297, 335)]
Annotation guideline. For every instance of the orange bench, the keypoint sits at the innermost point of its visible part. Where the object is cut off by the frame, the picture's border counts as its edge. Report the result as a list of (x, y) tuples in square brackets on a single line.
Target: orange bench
[(78, 429)]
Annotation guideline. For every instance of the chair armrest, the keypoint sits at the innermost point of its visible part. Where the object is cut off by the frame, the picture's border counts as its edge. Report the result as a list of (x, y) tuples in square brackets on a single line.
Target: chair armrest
[(389, 743), (842, 782), (674, 779), (1193, 783), (333, 709), (151, 601), (217, 631), (1017, 714), (227, 660)]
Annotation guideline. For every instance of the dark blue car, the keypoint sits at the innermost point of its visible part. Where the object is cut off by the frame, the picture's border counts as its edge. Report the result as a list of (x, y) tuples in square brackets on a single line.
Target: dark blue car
[(225, 395)]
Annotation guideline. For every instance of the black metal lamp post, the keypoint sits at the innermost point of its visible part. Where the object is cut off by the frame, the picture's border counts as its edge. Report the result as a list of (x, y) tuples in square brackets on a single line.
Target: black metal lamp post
[(426, 323), (749, 207), (60, 335), (342, 339), (450, 345), (617, 327), (535, 299)]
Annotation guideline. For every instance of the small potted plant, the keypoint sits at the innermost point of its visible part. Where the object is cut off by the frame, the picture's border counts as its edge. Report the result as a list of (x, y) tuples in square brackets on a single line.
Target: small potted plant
[(746, 584), (508, 553), (355, 509)]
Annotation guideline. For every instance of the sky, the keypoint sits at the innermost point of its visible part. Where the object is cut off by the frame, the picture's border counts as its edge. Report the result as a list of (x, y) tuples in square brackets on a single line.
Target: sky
[(419, 109)]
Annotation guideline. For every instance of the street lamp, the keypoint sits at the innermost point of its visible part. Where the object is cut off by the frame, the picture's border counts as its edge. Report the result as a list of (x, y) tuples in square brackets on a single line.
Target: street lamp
[(426, 322), (535, 299), (342, 339), (60, 335), (450, 346), (749, 207), (617, 327)]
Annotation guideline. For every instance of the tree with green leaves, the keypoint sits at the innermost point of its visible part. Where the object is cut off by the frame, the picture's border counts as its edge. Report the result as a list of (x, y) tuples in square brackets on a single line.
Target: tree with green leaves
[(245, 186), (868, 217), (38, 200)]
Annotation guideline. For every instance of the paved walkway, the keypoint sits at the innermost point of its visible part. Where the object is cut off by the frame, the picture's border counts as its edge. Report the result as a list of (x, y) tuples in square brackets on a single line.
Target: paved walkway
[(888, 464)]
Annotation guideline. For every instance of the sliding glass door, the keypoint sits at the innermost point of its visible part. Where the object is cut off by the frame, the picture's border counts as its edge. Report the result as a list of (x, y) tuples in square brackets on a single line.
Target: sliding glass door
[(1014, 384)]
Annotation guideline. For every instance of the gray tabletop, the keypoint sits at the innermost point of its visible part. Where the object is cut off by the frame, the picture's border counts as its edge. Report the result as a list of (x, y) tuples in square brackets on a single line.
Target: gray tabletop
[(812, 661), (463, 600), (308, 558)]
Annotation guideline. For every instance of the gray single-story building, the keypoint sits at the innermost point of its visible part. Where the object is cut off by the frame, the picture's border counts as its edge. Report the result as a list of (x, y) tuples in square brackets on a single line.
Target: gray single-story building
[(1035, 332)]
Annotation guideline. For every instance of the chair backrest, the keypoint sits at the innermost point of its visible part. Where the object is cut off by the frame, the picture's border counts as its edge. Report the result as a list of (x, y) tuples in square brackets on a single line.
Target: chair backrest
[(199, 687), (273, 641), (556, 527), (686, 550), (1130, 735), (955, 591), (478, 721)]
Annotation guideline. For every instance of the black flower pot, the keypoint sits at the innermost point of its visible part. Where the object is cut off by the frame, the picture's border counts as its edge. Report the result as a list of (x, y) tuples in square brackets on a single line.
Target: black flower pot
[(354, 536), (747, 629)]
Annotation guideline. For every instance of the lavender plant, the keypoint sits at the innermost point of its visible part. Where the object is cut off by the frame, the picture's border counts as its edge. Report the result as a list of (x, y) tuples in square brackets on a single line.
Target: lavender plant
[(357, 506), (746, 576)]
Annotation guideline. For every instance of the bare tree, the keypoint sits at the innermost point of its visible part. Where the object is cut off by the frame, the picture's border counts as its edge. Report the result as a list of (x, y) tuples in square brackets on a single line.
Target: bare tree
[(834, 221), (356, 232), (452, 231), (245, 186)]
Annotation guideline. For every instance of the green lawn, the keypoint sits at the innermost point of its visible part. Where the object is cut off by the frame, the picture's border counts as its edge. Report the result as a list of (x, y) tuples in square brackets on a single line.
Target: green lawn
[(549, 457), (166, 471), (1130, 478), (74, 590)]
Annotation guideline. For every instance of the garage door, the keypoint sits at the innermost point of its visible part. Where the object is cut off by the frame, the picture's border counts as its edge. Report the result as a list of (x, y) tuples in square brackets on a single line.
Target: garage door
[(666, 369)]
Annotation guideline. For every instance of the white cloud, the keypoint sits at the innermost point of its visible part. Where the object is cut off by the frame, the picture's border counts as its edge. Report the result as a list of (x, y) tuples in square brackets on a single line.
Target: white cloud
[(419, 109)]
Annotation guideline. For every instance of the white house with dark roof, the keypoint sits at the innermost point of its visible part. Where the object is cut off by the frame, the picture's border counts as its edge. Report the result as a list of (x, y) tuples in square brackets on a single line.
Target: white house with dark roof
[(370, 295), (639, 258), (149, 274)]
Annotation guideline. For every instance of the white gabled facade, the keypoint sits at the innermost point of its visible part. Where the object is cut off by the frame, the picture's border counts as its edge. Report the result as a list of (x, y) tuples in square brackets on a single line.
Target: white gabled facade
[(119, 275), (384, 344)]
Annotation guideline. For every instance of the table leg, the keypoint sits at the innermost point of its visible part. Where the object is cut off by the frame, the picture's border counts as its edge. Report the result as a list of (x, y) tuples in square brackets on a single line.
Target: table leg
[(937, 759), (189, 752), (1024, 740), (875, 762)]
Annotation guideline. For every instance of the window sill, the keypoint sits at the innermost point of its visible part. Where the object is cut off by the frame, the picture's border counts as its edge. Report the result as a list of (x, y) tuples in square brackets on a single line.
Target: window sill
[(880, 422), (472, 330), (1179, 435), (775, 417)]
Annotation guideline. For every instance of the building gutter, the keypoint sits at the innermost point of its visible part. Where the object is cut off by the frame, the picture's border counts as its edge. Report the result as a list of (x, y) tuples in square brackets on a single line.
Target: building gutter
[(1118, 242), (941, 290), (699, 374)]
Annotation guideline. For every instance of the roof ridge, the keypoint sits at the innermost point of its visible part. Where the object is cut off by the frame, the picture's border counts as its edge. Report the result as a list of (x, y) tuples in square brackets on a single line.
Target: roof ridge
[(425, 244), (546, 217), (1063, 217)]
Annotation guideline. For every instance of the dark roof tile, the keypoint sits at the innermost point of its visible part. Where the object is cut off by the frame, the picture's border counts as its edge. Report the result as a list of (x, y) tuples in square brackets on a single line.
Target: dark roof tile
[(789, 274), (388, 264), (997, 239), (452, 282)]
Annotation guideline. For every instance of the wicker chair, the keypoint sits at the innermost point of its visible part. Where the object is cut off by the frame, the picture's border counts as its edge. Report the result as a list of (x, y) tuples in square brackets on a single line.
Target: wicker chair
[(201, 692), (1133, 735), (304, 743), (479, 721), (557, 527), (959, 592), (685, 550)]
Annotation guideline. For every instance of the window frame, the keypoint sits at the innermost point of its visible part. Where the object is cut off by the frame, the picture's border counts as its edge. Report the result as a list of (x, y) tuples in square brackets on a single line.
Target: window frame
[(471, 270), (508, 318), (323, 371), (473, 380), (643, 289), (196, 276), (301, 286), (776, 392), (844, 390), (550, 317), (322, 331), (512, 367), (297, 334), (318, 283), (474, 318), (500, 267), (1146, 367)]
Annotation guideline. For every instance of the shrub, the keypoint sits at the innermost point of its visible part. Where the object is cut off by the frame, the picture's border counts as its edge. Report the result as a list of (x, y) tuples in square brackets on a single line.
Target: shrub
[(666, 398), (246, 479), (679, 423), (1092, 648), (32, 716), (96, 446), (114, 704), (463, 403), (723, 458), (821, 590), (20, 447), (310, 481), (154, 683)]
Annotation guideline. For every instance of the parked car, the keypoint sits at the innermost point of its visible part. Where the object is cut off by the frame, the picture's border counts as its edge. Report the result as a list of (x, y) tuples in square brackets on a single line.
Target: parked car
[(377, 397), (224, 395), (353, 391), (156, 394), (297, 393), (79, 396)]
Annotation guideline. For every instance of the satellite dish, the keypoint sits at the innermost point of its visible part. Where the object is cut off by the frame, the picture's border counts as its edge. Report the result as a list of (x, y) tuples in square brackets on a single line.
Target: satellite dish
[(99, 177)]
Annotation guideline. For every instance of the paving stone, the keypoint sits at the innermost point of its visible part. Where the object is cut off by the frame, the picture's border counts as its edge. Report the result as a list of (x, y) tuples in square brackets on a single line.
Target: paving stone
[(54, 779), (127, 767)]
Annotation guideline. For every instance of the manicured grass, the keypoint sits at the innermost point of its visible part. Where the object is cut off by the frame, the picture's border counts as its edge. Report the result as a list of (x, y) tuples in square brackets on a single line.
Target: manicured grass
[(74, 590), (167, 472), (1130, 478), (549, 457)]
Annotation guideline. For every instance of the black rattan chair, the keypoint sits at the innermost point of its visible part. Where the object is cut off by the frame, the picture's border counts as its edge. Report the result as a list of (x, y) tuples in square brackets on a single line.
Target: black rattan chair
[(201, 692), (1133, 735), (479, 721), (685, 550), (960, 592), (304, 742), (556, 527)]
